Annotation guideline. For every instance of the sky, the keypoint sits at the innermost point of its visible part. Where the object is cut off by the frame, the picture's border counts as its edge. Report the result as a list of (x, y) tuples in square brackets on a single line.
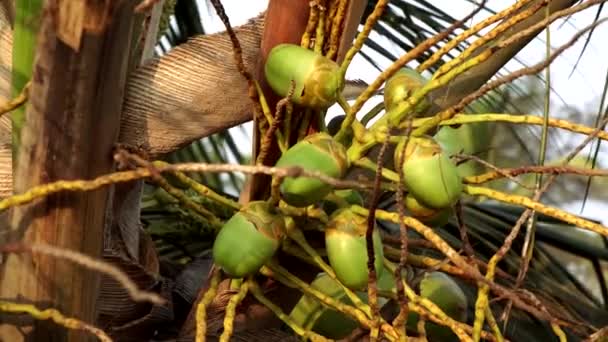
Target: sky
[(582, 89)]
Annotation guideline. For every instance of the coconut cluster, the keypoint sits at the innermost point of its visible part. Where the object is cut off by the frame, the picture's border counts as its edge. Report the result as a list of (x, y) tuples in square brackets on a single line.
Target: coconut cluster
[(252, 236)]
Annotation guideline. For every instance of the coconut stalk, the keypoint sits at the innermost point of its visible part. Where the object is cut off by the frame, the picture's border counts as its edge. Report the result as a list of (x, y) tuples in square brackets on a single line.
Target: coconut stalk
[(70, 128)]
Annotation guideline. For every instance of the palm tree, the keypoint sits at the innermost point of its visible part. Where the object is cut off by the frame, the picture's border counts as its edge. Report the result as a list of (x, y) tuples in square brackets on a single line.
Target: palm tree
[(171, 256)]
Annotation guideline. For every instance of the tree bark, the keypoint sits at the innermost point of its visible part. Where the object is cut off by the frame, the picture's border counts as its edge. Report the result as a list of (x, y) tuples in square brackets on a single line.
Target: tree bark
[(72, 122)]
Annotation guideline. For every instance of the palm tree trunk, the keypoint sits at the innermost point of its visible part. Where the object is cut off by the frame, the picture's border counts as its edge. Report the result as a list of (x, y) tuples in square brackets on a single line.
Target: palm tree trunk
[(71, 125)]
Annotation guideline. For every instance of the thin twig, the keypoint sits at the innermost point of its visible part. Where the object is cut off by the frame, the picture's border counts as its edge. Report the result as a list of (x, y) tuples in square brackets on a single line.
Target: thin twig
[(524, 216), (482, 297), (451, 111), (201, 307), (283, 105), (186, 201), (320, 32), (17, 101), (236, 45), (398, 64), (492, 36), (362, 36), (87, 262), (555, 170), (55, 316), (231, 311), (202, 189), (463, 157), (336, 29), (400, 320), (533, 204), (372, 289), (432, 308), (514, 119), (44, 190), (259, 295), (238, 57), (464, 237), (350, 54), (449, 46), (539, 207), (313, 17), (525, 303)]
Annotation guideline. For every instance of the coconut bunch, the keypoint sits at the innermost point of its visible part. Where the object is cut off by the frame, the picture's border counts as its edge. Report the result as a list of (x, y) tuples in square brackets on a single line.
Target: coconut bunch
[(252, 237), (333, 220)]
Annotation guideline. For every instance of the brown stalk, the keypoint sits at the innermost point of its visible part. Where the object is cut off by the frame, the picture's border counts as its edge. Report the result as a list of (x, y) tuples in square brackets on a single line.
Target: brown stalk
[(372, 288)]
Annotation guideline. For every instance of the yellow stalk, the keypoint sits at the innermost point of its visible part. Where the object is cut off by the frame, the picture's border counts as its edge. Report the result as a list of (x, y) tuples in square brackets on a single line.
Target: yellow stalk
[(201, 308), (231, 311), (55, 316), (538, 207)]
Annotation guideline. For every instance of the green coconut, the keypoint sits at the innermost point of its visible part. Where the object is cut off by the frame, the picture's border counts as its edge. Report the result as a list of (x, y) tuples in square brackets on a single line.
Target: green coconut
[(341, 199), (308, 312), (352, 197), (317, 152), (317, 78), (347, 250), (468, 139), (430, 216), (442, 290), (430, 176), (248, 239), (401, 86)]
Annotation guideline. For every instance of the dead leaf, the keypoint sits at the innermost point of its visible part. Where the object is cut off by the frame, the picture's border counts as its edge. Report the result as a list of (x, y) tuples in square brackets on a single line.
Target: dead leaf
[(171, 102), (116, 307)]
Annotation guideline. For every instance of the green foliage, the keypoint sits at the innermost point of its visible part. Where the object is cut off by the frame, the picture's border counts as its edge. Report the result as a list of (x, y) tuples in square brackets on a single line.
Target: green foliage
[(27, 21)]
